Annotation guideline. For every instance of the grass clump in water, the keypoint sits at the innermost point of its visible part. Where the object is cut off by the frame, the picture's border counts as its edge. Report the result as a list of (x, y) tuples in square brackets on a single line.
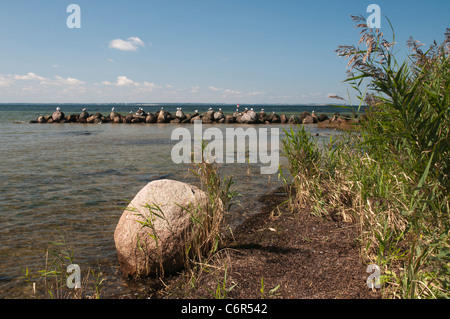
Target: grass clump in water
[(52, 282)]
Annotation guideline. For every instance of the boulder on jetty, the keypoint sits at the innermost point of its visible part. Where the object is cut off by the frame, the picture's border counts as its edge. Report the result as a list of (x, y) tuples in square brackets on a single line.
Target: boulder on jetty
[(195, 118), (262, 116), (72, 118), (150, 118), (208, 116), (249, 117), (308, 120), (91, 118), (218, 116), (41, 119), (157, 211), (115, 117), (273, 118), (138, 118), (162, 116), (189, 117), (180, 114), (141, 112), (322, 117), (83, 115), (229, 119), (294, 120), (57, 116), (338, 122), (127, 118)]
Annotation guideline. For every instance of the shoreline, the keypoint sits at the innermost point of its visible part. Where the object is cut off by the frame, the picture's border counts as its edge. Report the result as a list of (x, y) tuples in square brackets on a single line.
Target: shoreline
[(306, 257)]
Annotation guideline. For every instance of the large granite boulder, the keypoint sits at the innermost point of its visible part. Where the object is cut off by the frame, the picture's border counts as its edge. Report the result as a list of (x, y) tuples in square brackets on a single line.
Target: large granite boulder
[(153, 230)]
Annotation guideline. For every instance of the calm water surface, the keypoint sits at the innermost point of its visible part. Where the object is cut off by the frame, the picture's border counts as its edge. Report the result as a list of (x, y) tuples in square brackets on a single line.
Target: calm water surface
[(71, 182)]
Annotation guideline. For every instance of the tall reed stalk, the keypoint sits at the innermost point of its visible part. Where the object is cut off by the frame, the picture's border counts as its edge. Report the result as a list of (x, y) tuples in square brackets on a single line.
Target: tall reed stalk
[(208, 220)]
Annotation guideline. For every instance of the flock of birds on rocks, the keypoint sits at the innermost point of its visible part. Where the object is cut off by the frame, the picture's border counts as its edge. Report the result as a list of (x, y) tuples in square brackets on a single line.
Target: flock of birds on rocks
[(247, 116)]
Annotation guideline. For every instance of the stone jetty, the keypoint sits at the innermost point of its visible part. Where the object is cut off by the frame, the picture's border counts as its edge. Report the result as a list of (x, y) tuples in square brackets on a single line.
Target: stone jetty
[(209, 117)]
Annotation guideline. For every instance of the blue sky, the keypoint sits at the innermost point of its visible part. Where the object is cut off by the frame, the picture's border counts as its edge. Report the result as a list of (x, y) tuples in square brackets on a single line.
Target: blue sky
[(209, 51)]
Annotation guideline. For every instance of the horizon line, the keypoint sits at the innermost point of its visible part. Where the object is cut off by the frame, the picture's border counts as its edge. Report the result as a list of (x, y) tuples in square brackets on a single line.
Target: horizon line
[(159, 103)]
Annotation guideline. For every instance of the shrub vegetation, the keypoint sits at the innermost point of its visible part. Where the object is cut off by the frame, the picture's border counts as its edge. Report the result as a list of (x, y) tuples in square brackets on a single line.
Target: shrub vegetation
[(391, 173)]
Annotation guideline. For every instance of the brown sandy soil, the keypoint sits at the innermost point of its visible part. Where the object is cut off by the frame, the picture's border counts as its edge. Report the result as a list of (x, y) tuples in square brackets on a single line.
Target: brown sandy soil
[(308, 257)]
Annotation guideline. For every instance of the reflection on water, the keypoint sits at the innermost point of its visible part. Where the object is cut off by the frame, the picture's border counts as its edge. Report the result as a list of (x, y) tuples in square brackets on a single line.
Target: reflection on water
[(72, 181)]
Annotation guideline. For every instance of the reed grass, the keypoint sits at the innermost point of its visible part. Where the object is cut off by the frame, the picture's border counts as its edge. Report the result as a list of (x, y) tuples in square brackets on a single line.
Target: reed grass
[(51, 282), (391, 175), (208, 220)]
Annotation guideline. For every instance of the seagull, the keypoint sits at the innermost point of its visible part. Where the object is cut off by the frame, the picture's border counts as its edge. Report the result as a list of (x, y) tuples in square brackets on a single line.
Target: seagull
[(210, 109), (83, 110), (112, 110)]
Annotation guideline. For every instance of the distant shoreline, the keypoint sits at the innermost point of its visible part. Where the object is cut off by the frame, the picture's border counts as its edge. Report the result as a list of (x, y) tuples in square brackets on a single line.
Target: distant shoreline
[(178, 103)]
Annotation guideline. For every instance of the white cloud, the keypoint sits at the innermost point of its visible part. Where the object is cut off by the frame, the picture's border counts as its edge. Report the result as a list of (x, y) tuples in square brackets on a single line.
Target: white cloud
[(131, 44), (110, 60), (228, 91), (136, 41), (68, 81), (152, 86), (5, 82), (29, 76), (237, 93), (256, 93), (124, 81)]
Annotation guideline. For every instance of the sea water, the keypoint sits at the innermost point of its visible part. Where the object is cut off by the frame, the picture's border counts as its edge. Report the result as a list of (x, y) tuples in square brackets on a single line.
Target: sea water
[(71, 182)]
